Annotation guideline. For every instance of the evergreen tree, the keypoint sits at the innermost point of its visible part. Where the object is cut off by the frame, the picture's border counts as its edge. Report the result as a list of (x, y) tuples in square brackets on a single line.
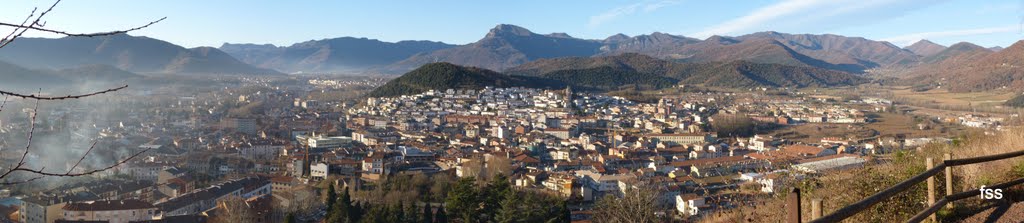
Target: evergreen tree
[(428, 215), (290, 218), (441, 216), (400, 215), (464, 199), (332, 197), (509, 211), (358, 212), (496, 191)]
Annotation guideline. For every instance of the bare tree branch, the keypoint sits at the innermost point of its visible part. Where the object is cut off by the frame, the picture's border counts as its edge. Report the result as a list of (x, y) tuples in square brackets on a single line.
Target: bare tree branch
[(69, 174), (83, 157), (35, 22), (38, 25), (39, 97), (5, 102), (5, 183), (108, 33), (28, 144)]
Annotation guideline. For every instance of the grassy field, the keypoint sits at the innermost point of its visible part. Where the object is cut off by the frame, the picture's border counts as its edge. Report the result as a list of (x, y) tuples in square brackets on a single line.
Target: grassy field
[(944, 97)]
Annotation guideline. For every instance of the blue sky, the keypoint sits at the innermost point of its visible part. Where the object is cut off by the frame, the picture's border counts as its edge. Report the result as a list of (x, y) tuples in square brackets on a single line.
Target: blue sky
[(194, 23)]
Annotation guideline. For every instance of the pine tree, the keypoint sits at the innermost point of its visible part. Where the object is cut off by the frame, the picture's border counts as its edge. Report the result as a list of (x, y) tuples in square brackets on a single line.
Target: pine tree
[(359, 211), (464, 199), (442, 217), (495, 192), (332, 197), (290, 218), (509, 211), (428, 215), (400, 213)]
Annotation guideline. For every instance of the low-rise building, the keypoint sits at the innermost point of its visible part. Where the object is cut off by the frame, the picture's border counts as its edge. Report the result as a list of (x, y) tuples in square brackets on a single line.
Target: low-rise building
[(112, 211)]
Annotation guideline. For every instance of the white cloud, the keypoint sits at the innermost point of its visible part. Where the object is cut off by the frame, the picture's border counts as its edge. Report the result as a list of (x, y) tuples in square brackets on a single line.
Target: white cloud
[(813, 14), (615, 13), (907, 39)]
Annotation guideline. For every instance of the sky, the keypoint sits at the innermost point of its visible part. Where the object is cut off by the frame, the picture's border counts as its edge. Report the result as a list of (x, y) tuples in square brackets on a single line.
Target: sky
[(193, 23)]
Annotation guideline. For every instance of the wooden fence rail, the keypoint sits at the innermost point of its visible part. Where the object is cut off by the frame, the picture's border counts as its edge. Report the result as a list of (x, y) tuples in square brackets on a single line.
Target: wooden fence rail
[(946, 164)]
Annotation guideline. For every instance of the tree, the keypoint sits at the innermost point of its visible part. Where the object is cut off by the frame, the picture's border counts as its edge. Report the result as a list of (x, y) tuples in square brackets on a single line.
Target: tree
[(428, 215), (732, 125), (441, 216), (290, 218), (233, 209), (510, 211), (464, 199), (495, 192), (342, 211), (636, 206), (35, 22), (332, 197), (399, 213)]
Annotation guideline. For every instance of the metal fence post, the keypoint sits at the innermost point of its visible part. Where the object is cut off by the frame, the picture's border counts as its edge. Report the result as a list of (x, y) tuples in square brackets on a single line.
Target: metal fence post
[(931, 185), (816, 211), (793, 206), (949, 180)]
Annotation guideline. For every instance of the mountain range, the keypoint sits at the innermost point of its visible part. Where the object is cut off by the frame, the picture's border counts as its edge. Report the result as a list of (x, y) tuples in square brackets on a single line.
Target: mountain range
[(608, 73), (506, 46), (511, 49), (131, 53)]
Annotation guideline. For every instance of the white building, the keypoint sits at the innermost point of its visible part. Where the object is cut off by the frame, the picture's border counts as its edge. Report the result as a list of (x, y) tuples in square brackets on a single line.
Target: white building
[(113, 211), (689, 204)]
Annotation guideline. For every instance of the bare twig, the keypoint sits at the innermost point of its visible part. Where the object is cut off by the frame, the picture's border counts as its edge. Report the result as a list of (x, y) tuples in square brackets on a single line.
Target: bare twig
[(108, 33), (44, 173), (39, 97), (17, 32), (38, 25), (83, 157), (5, 183), (5, 102), (35, 22), (28, 145)]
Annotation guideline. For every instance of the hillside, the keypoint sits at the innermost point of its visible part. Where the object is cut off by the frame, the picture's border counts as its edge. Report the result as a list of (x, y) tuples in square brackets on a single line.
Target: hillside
[(442, 75), (838, 49), (721, 74), (17, 78), (609, 78), (1003, 69), (97, 72), (1017, 102), (968, 67), (743, 74), (925, 48), (212, 61), (721, 49), (954, 51), (131, 53), (506, 46), (337, 54), (656, 44)]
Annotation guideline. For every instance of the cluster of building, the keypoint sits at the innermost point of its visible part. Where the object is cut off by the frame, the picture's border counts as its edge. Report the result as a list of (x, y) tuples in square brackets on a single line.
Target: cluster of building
[(264, 144)]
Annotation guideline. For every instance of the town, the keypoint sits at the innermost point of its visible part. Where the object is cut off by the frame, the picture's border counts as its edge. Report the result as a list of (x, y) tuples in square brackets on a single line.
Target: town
[(275, 145)]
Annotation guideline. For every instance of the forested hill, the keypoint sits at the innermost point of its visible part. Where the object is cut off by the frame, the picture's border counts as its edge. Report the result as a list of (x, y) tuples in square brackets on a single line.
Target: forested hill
[(733, 74), (443, 75)]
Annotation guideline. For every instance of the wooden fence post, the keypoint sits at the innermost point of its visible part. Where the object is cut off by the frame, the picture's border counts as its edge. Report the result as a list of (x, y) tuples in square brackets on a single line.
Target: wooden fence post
[(949, 180), (816, 211), (793, 206), (931, 185)]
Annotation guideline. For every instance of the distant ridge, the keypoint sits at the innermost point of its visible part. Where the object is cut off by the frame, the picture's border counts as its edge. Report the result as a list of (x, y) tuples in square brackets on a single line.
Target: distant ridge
[(130, 53), (925, 48)]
